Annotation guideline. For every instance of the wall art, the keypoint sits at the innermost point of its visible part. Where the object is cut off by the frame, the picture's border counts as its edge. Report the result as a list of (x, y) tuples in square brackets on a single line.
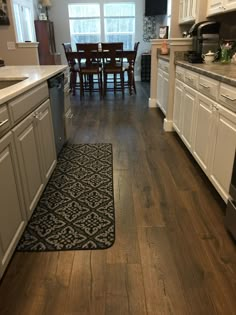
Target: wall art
[(4, 19)]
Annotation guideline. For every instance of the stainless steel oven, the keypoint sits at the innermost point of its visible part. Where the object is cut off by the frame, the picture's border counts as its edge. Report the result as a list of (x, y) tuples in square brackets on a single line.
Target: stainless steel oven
[(230, 218)]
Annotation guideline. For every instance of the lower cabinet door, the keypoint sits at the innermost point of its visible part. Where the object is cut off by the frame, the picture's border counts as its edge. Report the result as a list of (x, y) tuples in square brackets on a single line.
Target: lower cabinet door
[(28, 153), (223, 150), (202, 130), (12, 216), (46, 140), (178, 104), (165, 92), (159, 86), (189, 101)]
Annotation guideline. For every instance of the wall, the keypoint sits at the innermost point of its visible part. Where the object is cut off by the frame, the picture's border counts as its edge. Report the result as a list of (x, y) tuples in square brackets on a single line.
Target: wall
[(59, 15), (20, 55)]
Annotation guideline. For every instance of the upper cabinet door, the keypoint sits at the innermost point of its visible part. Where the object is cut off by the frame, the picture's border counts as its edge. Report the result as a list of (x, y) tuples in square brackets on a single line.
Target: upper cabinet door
[(220, 6), (230, 5), (187, 11), (215, 7)]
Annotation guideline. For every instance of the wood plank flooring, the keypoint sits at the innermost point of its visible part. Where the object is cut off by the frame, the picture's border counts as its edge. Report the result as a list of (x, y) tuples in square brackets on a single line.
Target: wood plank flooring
[(172, 254)]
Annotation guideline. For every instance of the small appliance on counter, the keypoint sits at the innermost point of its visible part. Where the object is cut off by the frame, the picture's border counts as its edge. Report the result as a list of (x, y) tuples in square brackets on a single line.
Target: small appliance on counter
[(206, 38)]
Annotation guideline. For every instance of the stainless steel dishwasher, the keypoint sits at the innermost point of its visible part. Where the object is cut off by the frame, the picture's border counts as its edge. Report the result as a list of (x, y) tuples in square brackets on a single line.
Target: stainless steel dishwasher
[(56, 93)]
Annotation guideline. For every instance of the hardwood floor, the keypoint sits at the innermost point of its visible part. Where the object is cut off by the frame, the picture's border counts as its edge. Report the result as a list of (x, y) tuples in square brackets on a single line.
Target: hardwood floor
[(172, 254)]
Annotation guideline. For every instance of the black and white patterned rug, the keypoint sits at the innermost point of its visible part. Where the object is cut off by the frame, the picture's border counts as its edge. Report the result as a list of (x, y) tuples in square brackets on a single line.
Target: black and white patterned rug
[(76, 210)]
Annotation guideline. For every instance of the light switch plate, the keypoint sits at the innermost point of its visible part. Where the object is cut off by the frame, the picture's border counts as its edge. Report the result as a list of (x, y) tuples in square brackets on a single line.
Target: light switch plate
[(11, 45)]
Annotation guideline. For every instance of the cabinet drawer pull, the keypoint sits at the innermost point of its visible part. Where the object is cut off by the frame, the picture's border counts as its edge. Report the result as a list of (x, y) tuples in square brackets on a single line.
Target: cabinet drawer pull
[(228, 97), (204, 85), (3, 122)]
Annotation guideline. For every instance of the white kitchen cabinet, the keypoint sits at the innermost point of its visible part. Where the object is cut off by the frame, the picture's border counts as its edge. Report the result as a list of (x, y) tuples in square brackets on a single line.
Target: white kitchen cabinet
[(162, 85), (27, 146), (46, 138), (187, 11), (202, 133), (68, 113), (220, 6), (36, 153), (178, 106), (206, 127), (189, 104), (12, 215), (223, 144)]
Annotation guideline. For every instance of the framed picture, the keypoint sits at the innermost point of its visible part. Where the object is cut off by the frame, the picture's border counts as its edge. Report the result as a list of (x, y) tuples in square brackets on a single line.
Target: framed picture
[(4, 19), (163, 32)]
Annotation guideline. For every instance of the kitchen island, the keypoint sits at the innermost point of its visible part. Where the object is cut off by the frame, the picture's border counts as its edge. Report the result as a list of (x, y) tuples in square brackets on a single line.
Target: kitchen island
[(27, 148)]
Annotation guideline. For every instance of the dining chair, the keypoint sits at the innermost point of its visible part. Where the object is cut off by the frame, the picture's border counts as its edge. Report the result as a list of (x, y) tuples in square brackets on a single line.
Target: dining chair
[(89, 47), (90, 67), (113, 71), (73, 65), (131, 84), (129, 56)]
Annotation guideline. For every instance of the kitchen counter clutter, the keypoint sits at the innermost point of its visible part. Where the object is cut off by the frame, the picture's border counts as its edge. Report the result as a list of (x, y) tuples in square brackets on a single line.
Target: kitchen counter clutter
[(27, 148)]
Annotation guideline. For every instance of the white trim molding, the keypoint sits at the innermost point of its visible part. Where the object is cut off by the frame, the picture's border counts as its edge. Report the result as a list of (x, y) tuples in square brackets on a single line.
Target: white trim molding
[(168, 125), (152, 103)]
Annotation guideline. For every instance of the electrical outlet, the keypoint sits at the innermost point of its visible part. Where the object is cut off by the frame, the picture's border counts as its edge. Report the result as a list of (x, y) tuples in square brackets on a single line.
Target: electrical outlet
[(11, 45)]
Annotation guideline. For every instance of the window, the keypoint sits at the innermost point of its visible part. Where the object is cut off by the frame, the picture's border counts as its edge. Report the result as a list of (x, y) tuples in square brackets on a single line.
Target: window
[(110, 22), (85, 25), (24, 20), (119, 23)]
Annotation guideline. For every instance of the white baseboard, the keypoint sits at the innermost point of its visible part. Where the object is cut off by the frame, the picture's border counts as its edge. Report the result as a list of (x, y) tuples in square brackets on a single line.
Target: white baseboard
[(152, 103), (168, 125)]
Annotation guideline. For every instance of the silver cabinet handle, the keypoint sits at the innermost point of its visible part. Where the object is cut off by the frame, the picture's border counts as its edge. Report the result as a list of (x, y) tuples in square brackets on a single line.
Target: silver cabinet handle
[(228, 97), (204, 85), (3, 122)]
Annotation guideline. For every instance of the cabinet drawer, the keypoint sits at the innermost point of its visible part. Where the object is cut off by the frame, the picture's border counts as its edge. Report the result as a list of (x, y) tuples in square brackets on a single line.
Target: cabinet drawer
[(4, 120), (208, 87), (179, 74), (26, 102), (227, 96), (191, 78)]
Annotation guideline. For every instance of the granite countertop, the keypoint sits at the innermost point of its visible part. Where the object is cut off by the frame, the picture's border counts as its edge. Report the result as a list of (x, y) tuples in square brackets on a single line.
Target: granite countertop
[(217, 71), (32, 75)]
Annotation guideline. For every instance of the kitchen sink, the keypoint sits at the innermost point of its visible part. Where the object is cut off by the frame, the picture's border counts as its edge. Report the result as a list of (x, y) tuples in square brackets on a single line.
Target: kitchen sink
[(4, 83)]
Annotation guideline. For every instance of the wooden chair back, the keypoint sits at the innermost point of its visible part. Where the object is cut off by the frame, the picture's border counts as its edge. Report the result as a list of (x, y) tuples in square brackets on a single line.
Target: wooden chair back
[(84, 47), (112, 46), (67, 47)]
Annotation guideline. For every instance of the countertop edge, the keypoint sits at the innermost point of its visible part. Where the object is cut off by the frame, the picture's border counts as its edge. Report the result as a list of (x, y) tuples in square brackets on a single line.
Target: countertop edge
[(39, 75), (210, 73)]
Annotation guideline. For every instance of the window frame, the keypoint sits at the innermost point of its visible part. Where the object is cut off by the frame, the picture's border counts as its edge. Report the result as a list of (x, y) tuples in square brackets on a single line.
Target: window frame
[(20, 38), (102, 18)]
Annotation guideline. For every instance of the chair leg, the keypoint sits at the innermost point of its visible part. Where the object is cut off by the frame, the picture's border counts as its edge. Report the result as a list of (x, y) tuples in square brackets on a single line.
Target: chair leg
[(81, 81), (115, 83), (134, 87), (73, 81), (122, 84), (105, 84)]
